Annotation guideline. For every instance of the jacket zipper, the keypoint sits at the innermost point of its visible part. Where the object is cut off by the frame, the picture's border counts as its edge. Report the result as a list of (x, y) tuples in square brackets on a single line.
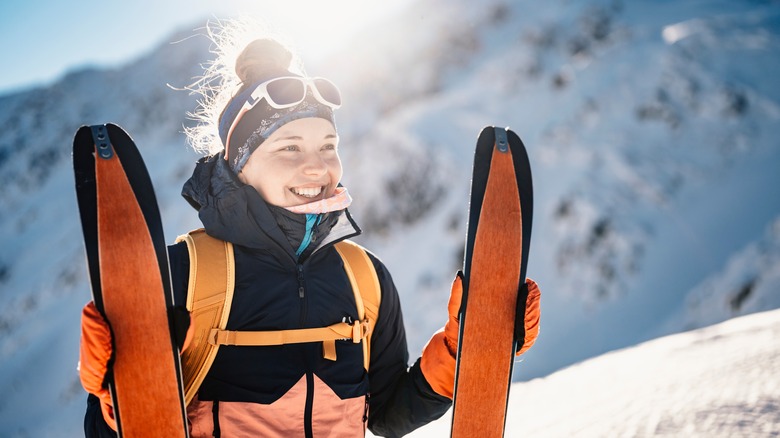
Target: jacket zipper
[(215, 414), (308, 413), (365, 413), (309, 408), (301, 294)]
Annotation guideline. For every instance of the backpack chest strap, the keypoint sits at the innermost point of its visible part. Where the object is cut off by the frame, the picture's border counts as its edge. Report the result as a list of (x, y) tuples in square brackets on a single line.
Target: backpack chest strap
[(355, 332)]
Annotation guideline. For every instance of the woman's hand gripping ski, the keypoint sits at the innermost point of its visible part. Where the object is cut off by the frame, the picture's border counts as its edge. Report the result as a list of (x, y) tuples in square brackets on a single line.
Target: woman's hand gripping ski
[(439, 355), (97, 350)]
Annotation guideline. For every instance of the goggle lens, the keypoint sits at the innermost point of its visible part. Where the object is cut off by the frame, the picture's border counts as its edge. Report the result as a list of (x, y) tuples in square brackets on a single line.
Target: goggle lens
[(286, 91), (328, 91)]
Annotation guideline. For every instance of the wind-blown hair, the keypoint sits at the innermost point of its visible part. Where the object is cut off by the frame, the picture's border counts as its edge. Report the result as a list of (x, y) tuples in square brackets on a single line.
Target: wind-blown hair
[(220, 82)]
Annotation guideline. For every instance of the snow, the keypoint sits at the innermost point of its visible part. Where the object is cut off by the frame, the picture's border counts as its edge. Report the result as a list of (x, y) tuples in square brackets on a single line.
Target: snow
[(719, 381), (652, 131)]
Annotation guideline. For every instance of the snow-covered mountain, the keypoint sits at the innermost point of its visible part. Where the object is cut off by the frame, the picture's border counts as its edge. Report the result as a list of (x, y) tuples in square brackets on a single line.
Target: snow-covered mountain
[(652, 129)]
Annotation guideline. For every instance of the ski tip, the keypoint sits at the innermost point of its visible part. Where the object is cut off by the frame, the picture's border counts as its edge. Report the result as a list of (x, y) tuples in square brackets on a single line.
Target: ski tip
[(493, 129), (100, 137), (500, 136)]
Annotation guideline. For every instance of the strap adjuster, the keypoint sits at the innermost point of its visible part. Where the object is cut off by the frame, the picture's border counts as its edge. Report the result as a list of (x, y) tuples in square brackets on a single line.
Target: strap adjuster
[(360, 330)]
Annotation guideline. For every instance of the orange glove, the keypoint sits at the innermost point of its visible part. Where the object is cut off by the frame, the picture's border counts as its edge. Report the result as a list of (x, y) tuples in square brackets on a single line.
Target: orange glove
[(527, 332), (438, 360), (94, 356), (97, 350)]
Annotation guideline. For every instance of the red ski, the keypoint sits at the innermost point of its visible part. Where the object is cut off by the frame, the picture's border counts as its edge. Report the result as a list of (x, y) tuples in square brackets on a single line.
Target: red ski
[(128, 268), (497, 245)]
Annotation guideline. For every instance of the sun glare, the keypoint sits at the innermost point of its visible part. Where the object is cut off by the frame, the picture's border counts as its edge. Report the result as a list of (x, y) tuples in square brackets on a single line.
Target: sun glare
[(315, 27)]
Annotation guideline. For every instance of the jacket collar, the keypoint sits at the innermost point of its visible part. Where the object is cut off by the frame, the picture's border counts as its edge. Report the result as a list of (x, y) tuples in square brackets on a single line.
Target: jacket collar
[(233, 211)]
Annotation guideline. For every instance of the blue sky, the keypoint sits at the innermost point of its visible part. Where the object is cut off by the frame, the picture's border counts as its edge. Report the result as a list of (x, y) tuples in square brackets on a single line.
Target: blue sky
[(42, 39)]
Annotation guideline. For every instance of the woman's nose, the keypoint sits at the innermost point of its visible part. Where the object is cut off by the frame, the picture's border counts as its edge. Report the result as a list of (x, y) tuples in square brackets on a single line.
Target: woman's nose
[(314, 165)]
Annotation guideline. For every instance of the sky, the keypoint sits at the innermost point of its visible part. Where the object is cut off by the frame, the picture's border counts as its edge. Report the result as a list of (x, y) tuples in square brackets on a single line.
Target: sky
[(43, 39)]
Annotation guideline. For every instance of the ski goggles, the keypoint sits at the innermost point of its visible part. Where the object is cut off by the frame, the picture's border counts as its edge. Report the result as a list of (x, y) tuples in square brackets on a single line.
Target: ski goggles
[(286, 92)]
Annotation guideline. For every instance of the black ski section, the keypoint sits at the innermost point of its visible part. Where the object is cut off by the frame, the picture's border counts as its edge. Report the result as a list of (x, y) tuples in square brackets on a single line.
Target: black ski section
[(86, 192)]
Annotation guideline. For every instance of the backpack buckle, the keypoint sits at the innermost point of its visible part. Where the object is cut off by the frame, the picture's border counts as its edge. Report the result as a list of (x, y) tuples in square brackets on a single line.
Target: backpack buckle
[(360, 330)]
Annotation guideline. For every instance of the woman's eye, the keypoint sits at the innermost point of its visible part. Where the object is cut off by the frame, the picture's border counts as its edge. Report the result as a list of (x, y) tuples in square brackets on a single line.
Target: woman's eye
[(291, 148), (329, 147)]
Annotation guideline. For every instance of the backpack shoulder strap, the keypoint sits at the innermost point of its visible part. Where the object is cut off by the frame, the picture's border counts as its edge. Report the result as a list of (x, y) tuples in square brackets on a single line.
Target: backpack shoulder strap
[(209, 296), (365, 285)]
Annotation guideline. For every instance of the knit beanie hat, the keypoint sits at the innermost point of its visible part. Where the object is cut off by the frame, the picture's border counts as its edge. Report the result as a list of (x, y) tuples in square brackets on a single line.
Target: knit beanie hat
[(261, 61)]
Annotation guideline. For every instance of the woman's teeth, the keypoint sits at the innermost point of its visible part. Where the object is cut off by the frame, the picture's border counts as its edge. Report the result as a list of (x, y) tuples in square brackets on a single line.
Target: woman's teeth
[(308, 192)]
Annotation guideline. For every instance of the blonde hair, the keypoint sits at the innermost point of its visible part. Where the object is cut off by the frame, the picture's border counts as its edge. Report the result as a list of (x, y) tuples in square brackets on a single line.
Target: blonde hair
[(234, 46)]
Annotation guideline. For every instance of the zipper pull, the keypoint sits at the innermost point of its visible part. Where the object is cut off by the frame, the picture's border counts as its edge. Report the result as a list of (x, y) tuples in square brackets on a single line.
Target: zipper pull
[(300, 282)]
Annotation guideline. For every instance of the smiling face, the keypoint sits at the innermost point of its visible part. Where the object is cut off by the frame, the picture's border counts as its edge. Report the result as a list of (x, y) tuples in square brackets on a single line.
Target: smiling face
[(299, 163)]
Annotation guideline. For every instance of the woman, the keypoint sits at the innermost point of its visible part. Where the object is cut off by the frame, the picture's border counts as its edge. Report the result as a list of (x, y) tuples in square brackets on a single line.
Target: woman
[(273, 191)]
